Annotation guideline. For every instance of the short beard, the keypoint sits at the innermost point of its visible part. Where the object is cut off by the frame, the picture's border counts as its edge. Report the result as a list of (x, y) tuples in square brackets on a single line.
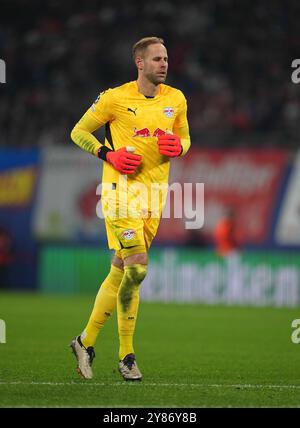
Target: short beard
[(155, 80)]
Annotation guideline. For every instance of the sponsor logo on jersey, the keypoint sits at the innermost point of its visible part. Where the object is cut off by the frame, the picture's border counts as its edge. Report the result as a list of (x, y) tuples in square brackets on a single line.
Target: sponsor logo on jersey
[(128, 234), (141, 132), (146, 133), (158, 132), (169, 111), (132, 110)]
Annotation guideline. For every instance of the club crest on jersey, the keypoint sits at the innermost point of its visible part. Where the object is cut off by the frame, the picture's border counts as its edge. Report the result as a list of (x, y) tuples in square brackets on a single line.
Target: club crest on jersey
[(169, 111), (128, 234)]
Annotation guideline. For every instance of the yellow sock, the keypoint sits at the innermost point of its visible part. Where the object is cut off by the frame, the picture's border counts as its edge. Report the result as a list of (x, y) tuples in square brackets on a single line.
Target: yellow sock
[(105, 303), (127, 306)]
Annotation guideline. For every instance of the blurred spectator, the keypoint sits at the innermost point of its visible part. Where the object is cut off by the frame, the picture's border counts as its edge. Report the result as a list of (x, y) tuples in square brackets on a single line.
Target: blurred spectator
[(6, 255), (232, 60), (226, 234), (195, 238)]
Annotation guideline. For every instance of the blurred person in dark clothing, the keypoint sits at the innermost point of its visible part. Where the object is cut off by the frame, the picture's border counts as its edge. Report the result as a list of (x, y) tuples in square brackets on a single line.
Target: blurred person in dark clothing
[(6, 254), (195, 239)]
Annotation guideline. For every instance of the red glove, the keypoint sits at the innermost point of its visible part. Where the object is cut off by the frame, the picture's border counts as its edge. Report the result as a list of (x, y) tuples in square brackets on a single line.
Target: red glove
[(123, 161), (169, 145)]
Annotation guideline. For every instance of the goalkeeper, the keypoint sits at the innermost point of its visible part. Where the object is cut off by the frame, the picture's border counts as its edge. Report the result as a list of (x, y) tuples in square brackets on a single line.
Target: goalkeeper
[(151, 118)]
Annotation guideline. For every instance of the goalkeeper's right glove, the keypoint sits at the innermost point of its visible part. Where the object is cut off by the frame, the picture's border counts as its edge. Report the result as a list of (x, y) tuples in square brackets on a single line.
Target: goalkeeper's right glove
[(123, 161)]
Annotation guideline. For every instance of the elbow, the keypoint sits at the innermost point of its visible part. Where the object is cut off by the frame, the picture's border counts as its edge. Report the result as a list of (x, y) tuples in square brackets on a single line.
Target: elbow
[(73, 134)]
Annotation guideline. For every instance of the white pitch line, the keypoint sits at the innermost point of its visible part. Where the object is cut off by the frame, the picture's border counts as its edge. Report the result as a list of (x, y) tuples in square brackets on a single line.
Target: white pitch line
[(192, 385)]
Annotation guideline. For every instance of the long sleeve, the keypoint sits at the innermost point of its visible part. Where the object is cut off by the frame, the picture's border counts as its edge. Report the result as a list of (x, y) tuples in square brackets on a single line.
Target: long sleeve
[(96, 116), (181, 127), (82, 134)]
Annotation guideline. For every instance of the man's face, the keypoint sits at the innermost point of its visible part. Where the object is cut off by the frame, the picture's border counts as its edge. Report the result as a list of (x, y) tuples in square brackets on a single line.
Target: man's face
[(155, 63)]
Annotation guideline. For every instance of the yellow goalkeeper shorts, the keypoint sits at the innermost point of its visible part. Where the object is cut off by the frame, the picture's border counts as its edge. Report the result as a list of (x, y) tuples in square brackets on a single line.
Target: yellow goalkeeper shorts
[(130, 232)]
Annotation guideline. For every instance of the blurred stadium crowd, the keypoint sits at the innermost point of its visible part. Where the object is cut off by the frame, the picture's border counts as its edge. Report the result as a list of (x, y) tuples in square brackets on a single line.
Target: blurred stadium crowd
[(232, 60)]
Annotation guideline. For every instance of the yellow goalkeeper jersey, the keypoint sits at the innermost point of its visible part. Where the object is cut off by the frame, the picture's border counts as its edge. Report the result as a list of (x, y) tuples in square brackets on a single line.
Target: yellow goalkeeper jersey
[(132, 119)]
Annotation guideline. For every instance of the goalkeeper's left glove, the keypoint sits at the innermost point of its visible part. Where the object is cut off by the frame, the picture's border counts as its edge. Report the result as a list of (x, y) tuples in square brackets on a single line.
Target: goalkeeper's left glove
[(169, 145)]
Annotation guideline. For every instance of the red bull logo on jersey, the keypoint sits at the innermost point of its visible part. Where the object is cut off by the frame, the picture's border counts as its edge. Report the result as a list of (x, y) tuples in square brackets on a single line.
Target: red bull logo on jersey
[(158, 132), (141, 132), (169, 111), (146, 133)]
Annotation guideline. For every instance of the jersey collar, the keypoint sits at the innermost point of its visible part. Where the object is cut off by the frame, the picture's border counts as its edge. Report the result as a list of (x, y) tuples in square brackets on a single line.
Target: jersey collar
[(144, 96)]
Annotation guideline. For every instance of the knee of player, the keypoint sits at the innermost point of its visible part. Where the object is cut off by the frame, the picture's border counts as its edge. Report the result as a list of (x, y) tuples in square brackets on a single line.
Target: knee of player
[(136, 273)]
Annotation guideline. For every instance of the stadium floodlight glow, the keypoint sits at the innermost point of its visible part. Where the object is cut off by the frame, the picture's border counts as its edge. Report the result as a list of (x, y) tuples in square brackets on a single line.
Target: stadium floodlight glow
[(2, 71)]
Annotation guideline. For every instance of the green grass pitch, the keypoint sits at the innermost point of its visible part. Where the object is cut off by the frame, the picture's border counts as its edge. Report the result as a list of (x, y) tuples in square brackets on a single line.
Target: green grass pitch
[(190, 356)]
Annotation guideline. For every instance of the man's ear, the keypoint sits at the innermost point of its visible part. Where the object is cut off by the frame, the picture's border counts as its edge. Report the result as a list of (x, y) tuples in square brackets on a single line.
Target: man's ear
[(139, 62)]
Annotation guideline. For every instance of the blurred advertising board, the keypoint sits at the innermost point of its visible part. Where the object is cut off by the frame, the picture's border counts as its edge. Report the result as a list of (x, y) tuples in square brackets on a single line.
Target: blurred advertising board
[(67, 199), (250, 278), (246, 180), (18, 183), (288, 226), (183, 275)]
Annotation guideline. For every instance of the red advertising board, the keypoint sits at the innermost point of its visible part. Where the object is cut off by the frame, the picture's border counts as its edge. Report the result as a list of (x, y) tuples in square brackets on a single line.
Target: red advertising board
[(244, 179)]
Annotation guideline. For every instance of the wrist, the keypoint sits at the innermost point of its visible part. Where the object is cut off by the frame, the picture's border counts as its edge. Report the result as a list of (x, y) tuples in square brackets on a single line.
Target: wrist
[(103, 153)]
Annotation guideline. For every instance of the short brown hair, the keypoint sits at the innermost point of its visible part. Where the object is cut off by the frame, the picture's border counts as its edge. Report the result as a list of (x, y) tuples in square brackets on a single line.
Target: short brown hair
[(140, 46)]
